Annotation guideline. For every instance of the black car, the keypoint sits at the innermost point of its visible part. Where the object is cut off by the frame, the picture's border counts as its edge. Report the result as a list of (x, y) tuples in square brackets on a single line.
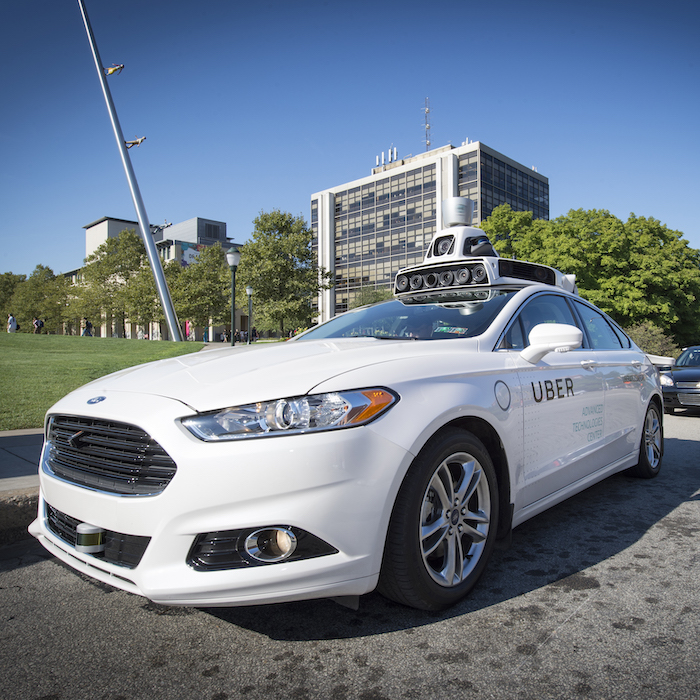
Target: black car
[(681, 384)]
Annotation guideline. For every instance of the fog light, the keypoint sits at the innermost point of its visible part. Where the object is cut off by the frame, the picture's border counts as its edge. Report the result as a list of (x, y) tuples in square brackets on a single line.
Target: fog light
[(271, 544), (89, 538)]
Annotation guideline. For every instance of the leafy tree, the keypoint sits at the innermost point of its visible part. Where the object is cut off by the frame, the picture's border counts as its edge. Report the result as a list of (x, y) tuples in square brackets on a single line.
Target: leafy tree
[(653, 340), (110, 277), (8, 284), (141, 299), (42, 295), (83, 302), (280, 265), (202, 290), (636, 271), (503, 225), (371, 295)]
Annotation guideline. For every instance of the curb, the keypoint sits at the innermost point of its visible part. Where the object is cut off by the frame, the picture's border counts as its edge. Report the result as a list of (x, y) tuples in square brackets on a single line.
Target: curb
[(18, 506), (17, 510)]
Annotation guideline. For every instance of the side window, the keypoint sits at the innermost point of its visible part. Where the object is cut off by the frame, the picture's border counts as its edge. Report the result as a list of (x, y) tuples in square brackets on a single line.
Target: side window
[(514, 337), (545, 308), (623, 337), (601, 333)]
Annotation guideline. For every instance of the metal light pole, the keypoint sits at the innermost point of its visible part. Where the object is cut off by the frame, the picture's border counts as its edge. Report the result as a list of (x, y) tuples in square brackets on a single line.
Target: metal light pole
[(151, 252), (233, 257), (249, 292)]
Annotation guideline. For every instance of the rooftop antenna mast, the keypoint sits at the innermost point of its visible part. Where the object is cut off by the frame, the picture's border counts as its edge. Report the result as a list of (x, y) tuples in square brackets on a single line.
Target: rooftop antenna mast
[(426, 109), (151, 252)]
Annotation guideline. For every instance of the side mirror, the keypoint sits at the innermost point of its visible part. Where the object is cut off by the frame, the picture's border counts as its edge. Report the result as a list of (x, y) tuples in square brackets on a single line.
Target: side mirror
[(551, 337)]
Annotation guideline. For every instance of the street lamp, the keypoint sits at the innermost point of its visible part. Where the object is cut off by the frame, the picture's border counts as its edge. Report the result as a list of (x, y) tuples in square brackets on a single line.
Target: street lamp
[(233, 257), (249, 292)]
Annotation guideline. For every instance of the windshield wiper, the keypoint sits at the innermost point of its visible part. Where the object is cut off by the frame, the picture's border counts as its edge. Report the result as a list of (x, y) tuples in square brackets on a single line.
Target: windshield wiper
[(382, 337)]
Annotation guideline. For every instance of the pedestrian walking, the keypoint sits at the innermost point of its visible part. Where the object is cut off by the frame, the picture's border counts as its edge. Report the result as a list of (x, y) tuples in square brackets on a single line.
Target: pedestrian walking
[(88, 328), (12, 326)]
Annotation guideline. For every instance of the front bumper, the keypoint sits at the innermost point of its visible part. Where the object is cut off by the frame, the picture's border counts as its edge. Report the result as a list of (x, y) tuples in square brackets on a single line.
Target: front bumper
[(680, 398), (339, 486)]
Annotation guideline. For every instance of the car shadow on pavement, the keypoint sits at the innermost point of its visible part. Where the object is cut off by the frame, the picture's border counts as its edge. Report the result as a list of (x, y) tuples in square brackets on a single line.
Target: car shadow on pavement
[(554, 548)]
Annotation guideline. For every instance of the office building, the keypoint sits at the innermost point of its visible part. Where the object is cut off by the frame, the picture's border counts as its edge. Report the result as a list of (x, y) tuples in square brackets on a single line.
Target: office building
[(368, 229)]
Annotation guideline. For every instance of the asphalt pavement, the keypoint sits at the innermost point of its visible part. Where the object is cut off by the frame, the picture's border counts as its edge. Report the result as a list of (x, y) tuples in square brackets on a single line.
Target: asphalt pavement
[(597, 598)]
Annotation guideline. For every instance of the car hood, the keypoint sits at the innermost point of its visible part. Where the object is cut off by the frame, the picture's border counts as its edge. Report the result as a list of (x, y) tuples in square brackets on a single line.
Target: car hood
[(685, 374), (213, 379)]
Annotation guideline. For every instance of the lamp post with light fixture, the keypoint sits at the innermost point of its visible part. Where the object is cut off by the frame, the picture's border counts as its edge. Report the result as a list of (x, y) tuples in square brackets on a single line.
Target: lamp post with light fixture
[(233, 257), (249, 292)]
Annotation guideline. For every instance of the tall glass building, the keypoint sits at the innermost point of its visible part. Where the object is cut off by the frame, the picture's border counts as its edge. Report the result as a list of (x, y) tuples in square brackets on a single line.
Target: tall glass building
[(366, 230)]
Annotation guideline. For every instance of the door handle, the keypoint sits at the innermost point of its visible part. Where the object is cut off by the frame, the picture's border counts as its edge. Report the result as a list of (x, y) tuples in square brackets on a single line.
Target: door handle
[(588, 364)]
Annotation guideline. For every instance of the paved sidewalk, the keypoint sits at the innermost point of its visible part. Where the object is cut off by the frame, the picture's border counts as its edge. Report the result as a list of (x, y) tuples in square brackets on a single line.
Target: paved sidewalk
[(20, 451)]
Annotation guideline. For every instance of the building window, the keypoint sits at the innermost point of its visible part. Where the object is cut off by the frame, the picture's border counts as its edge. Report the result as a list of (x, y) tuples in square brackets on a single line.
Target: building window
[(212, 231)]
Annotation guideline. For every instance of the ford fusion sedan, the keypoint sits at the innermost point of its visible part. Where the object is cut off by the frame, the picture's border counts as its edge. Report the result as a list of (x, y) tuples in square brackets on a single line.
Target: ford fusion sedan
[(387, 448), (681, 383)]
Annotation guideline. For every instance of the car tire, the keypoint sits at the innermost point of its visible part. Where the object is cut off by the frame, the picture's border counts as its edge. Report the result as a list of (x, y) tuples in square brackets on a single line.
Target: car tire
[(443, 525), (651, 449)]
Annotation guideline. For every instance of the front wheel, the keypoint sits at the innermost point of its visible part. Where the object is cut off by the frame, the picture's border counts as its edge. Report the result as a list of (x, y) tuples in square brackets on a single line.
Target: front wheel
[(443, 526), (651, 449)]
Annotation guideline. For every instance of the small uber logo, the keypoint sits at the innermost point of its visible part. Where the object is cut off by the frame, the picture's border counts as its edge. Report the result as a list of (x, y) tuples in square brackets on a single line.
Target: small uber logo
[(96, 399)]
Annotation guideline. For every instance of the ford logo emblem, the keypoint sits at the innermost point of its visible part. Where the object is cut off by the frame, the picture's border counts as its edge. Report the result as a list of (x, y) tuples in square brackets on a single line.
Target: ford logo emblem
[(96, 399)]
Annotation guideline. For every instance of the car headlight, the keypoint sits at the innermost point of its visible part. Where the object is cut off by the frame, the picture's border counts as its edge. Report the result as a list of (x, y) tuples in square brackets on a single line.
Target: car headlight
[(666, 380), (299, 414)]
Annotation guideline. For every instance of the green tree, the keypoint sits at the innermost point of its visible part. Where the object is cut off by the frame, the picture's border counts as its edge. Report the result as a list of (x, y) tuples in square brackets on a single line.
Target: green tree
[(141, 299), (653, 340), (370, 295), (8, 284), (42, 295), (636, 271), (202, 290), (109, 277), (505, 225), (280, 265)]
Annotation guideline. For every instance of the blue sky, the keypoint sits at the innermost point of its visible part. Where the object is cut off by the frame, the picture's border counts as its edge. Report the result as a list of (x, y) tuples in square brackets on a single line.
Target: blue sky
[(250, 106)]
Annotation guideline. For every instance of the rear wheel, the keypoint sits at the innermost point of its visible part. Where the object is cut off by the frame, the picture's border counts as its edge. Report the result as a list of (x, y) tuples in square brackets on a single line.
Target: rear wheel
[(443, 526), (651, 449)]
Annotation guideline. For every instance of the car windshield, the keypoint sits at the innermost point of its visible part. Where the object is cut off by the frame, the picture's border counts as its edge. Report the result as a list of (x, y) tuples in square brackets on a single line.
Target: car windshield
[(689, 358), (397, 320)]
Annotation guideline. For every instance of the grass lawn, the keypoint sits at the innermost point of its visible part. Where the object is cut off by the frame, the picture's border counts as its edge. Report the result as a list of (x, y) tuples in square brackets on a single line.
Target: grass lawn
[(37, 370)]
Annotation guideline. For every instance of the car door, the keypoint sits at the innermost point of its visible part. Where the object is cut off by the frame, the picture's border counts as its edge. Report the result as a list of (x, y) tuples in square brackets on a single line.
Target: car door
[(563, 405), (622, 370)]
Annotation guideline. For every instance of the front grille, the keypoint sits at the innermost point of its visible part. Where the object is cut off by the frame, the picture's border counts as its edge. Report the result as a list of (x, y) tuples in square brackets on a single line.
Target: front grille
[(688, 385), (122, 550), (689, 399), (107, 456)]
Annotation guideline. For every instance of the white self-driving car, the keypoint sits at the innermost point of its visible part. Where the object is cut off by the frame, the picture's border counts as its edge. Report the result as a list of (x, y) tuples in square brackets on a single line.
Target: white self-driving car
[(387, 448)]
